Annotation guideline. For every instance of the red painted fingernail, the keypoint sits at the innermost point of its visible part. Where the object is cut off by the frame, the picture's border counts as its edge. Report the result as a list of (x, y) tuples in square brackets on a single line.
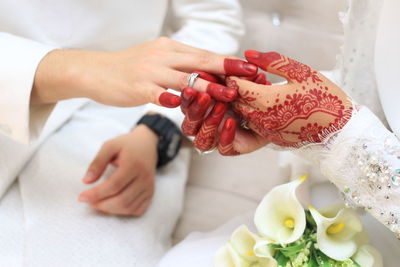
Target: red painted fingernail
[(229, 124), (262, 60), (252, 54), (203, 99), (230, 94), (169, 100), (238, 67), (219, 109), (207, 76), (251, 68)]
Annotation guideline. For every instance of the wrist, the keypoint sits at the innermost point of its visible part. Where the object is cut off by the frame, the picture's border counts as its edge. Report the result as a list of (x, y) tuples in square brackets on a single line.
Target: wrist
[(64, 74), (146, 134)]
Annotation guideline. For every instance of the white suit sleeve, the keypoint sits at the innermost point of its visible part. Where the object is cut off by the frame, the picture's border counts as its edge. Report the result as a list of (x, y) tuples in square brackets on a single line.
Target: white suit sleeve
[(19, 59), (363, 161), (213, 25)]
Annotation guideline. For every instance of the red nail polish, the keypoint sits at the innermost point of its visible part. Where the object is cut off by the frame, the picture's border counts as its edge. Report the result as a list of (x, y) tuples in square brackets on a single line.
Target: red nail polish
[(252, 54), (231, 94), (203, 99), (251, 68), (219, 109), (207, 76), (229, 124), (262, 60), (169, 100), (236, 67)]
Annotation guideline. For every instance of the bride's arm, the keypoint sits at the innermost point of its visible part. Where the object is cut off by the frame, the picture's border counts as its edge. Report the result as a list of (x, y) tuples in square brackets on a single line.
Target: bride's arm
[(316, 119), (363, 161)]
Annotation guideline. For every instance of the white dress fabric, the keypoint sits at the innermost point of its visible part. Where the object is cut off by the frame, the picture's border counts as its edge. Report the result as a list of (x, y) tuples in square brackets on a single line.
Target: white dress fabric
[(362, 160), (42, 223)]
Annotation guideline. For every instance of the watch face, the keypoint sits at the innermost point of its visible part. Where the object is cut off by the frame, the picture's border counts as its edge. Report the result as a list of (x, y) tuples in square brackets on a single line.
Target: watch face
[(173, 145)]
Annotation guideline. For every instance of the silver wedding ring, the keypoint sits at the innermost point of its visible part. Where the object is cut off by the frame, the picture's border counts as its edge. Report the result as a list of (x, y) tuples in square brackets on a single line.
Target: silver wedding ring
[(244, 124), (192, 79)]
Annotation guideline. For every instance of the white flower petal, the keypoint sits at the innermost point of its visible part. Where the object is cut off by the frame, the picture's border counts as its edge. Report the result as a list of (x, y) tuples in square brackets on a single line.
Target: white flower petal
[(336, 234), (243, 241), (223, 258), (280, 216), (262, 250), (368, 256)]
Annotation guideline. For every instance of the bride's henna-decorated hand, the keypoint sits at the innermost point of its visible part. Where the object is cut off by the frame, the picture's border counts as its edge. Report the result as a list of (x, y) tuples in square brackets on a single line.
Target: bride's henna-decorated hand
[(304, 110), (231, 141)]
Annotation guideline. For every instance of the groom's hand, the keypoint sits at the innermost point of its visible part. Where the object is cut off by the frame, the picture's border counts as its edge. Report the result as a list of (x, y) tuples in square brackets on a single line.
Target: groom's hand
[(129, 190), (134, 76)]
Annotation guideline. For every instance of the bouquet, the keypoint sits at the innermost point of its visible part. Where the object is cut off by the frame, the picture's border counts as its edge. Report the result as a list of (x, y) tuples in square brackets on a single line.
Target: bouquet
[(290, 236)]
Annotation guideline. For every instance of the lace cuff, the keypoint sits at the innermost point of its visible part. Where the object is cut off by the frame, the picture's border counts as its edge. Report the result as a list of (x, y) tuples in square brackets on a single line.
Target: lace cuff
[(363, 161)]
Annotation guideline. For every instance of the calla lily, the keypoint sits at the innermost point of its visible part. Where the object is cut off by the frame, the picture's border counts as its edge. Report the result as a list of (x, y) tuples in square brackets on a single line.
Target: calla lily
[(368, 256), (337, 231), (280, 216), (239, 252)]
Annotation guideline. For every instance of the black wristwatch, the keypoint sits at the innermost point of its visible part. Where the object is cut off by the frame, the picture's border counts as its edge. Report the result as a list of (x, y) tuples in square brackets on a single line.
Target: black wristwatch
[(170, 137)]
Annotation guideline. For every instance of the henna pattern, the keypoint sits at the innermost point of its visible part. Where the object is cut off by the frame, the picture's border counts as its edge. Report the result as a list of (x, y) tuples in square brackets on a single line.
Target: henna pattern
[(225, 146), (309, 108), (195, 114), (206, 139)]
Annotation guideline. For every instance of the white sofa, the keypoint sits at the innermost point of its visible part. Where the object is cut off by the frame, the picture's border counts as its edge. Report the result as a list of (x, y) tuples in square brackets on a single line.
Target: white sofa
[(220, 188)]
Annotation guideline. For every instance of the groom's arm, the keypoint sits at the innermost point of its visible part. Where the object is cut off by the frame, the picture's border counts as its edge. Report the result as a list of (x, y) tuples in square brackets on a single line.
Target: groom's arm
[(20, 58)]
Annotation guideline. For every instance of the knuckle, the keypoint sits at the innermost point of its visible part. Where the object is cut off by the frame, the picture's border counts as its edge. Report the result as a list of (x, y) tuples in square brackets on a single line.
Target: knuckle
[(204, 59), (115, 186)]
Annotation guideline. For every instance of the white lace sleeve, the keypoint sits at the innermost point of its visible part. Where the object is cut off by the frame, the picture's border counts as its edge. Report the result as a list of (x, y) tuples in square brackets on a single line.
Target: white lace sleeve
[(363, 161)]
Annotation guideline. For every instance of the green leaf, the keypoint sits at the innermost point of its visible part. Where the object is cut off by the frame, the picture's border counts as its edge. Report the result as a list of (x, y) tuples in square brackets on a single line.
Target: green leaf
[(310, 220), (281, 259), (291, 250), (322, 259), (356, 263)]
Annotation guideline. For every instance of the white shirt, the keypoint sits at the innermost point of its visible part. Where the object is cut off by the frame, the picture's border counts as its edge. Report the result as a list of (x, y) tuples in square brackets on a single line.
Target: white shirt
[(29, 29)]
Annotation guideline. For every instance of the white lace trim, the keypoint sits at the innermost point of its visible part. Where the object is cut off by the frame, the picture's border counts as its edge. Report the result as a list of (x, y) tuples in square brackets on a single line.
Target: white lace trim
[(363, 161)]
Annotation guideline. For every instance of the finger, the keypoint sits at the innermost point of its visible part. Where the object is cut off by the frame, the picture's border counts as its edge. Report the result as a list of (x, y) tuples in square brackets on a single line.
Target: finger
[(236, 141), (281, 65), (227, 136), (142, 207), (206, 138), (213, 63), (208, 76), (137, 205), (121, 203), (112, 186), (258, 95), (169, 100), (195, 114), (261, 78), (105, 155), (187, 98), (179, 80)]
